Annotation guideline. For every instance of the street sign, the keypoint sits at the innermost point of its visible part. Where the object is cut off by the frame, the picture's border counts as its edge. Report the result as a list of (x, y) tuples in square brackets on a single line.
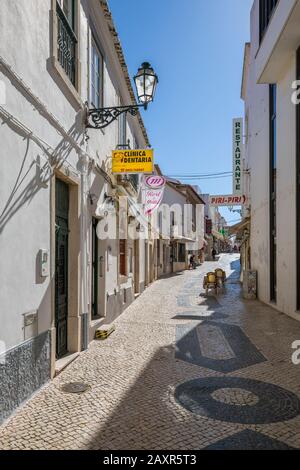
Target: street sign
[(228, 200), (154, 181), (132, 161), (237, 154), (153, 187)]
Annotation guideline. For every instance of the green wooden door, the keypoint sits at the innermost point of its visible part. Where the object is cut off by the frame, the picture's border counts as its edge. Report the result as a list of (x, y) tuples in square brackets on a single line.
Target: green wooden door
[(95, 272), (61, 270)]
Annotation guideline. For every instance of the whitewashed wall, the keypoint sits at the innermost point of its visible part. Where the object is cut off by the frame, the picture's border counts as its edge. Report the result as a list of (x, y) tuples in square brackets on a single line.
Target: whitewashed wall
[(257, 159), (24, 198)]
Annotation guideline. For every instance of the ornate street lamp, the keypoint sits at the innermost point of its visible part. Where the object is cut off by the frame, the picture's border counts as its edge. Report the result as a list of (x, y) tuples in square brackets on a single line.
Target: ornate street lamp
[(145, 82)]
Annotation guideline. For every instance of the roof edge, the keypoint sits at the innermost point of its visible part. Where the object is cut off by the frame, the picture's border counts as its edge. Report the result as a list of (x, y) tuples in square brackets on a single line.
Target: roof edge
[(121, 58)]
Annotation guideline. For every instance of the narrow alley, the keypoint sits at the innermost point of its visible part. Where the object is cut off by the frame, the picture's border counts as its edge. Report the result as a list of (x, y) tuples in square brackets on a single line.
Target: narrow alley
[(181, 370)]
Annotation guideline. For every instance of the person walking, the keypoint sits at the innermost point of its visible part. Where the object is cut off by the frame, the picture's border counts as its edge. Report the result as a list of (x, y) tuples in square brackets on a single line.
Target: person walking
[(191, 265), (213, 254)]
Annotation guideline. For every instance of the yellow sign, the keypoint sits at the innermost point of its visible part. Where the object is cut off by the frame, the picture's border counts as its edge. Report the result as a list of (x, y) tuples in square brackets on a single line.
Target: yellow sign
[(132, 161)]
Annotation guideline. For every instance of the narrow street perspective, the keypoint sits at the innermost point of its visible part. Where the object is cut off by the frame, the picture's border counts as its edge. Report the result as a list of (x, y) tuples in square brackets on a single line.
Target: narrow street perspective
[(149, 231), (181, 370)]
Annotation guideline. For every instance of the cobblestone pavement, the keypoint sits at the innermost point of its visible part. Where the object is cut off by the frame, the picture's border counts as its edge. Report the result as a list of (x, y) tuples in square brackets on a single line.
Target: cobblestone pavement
[(181, 371)]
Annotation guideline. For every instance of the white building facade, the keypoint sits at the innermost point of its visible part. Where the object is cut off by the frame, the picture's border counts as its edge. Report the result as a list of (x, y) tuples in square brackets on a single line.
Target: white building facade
[(272, 150), (57, 184), (181, 227)]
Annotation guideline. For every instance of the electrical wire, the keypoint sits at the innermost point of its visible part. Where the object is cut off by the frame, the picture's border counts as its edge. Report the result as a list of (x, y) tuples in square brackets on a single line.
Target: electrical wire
[(182, 175), (197, 178)]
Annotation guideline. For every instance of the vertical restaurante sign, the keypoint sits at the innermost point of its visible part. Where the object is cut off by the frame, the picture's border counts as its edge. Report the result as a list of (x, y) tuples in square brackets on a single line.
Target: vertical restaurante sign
[(237, 155)]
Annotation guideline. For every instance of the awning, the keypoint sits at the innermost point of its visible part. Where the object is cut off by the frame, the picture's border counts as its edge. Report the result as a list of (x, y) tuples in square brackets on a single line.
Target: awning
[(235, 229), (179, 238), (217, 235)]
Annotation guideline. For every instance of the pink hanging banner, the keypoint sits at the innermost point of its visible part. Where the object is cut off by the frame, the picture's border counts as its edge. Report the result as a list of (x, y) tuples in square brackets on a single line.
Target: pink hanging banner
[(153, 186)]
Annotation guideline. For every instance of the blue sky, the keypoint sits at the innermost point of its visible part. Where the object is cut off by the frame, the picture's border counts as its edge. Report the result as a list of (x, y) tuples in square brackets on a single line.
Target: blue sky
[(196, 47)]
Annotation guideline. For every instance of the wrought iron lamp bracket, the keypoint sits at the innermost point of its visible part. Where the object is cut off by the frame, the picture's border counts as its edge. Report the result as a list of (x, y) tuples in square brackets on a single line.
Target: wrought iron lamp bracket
[(102, 117)]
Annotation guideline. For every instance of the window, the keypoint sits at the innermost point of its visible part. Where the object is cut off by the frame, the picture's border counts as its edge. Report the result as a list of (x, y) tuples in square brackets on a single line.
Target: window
[(68, 8), (266, 9), (130, 259), (122, 130), (174, 253), (66, 38), (273, 155), (134, 180), (181, 253), (122, 257), (160, 221), (96, 78), (158, 252), (172, 214), (194, 216)]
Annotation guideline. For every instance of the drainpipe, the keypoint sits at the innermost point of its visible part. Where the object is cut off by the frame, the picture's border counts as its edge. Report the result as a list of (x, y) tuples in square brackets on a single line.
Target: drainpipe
[(83, 165)]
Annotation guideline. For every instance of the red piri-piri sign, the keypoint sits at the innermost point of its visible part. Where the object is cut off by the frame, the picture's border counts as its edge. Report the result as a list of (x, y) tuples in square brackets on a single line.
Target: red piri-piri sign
[(228, 200)]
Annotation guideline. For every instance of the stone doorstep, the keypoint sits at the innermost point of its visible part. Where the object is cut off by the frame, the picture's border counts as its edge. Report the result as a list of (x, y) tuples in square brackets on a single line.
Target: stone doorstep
[(62, 363)]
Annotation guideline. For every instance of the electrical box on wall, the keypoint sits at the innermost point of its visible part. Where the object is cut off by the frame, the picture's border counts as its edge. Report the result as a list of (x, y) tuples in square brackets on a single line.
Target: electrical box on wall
[(44, 263), (30, 324)]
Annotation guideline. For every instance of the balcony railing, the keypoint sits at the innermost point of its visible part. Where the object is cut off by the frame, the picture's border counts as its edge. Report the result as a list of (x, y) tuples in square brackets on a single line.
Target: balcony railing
[(266, 10), (66, 45)]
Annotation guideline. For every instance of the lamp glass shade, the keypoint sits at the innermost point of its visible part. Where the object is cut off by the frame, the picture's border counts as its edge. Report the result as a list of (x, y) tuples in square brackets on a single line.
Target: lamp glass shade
[(145, 82)]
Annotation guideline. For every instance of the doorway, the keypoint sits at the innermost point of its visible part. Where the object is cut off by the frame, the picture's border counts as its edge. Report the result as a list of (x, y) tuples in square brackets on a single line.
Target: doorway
[(273, 195), (146, 264), (61, 266), (136, 267), (95, 269)]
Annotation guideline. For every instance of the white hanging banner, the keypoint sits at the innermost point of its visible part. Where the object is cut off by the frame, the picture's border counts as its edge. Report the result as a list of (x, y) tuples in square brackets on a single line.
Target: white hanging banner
[(237, 137), (153, 189)]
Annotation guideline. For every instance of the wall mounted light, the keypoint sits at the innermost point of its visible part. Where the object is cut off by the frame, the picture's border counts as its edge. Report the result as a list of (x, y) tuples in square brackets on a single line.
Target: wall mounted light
[(145, 81)]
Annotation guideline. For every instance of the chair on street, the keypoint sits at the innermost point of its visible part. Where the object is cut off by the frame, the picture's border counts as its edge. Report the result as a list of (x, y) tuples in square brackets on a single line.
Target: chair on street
[(220, 277), (210, 281)]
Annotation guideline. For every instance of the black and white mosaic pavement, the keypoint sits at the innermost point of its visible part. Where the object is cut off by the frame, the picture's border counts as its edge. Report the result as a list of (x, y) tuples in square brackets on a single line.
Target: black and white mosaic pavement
[(241, 349), (251, 401), (207, 345), (248, 440), (202, 315)]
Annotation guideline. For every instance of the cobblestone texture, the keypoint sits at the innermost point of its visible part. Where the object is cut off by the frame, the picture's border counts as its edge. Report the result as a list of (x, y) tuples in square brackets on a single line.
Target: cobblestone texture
[(135, 374)]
